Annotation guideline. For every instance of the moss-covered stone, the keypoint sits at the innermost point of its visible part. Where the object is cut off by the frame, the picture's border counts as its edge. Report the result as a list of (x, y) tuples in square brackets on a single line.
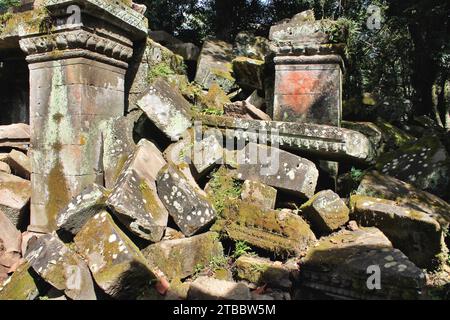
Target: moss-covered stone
[(178, 259), (20, 286), (326, 211), (249, 72), (61, 267), (259, 194), (214, 100), (341, 264), (280, 232), (415, 233), (263, 272), (117, 265)]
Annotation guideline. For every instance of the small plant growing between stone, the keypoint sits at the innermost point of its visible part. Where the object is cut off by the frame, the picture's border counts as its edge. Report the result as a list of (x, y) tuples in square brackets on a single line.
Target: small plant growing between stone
[(241, 248)]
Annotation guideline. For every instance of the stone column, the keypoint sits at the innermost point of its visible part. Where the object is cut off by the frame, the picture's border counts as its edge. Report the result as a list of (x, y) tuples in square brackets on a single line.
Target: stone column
[(308, 73), (308, 77), (77, 80)]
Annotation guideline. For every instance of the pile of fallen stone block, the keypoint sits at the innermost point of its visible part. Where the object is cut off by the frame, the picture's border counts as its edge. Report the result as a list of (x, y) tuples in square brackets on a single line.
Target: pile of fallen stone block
[(186, 210)]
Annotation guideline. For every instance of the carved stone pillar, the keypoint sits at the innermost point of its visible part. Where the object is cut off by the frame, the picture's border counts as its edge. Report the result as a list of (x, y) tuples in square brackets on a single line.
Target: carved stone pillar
[(77, 79), (308, 73)]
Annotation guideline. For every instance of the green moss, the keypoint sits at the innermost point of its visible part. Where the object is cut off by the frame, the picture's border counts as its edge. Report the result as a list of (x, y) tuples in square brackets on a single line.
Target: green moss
[(20, 286), (59, 195), (224, 190)]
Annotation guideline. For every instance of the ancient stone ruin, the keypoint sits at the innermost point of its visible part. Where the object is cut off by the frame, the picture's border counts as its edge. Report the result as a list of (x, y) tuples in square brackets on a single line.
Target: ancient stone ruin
[(233, 179)]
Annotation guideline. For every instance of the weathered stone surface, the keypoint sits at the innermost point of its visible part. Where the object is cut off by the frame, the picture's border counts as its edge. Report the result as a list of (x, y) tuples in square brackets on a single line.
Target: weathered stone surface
[(262, 271), (4, 167), (10, 237), (189, 51), (20, 286), (330, 143), (81, 209), (338, 265), (375, 184), (249, 73), (204, 288), (190, 210), (166, 108), (115, 262), (61, 267), (134, 198), (326, 211), (308, 89), (255, 112), (15, 135), (425, 164), (370, 130), (207, 154), (15, 195), (20, 164), (277, 168), (279, 232), (179, 258), (251, 46), (259, 194), (118, 145), (214, 65), (415, 233), (215, 99), (180, 154)]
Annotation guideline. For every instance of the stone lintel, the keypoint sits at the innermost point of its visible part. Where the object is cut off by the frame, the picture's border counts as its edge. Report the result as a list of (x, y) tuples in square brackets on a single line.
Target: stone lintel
[(331, 143), (311, 61)]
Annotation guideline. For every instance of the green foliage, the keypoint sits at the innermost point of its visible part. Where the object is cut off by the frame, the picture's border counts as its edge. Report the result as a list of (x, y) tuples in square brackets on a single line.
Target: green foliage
[(6, 4), (161, 70), (356, 174), (241, 248), (225, 190)]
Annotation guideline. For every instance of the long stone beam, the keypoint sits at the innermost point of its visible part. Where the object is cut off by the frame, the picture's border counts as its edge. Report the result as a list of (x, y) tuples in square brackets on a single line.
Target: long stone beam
[(326, 142)]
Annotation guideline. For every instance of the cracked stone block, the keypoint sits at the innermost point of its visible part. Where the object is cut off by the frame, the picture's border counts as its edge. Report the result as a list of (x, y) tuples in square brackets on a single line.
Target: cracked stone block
[(207, 154), (425, 164), (261, 271), (204, 288), (278, 169), (15, 195), (259, 194), (134, 198), (117, 265), (190, 210), (20, 164), (215, 65), (20, 286), (326, 211), (167, 109), (10, 237), (82, 208), (340, 265), (180, 155), (61, 267), (179, 258), (118, 144), (375, 184), (15, 135), (248, 45), (415, 233), (280, 232)]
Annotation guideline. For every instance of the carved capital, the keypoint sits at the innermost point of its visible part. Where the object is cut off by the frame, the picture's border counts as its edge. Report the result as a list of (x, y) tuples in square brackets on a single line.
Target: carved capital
[(77, 42)]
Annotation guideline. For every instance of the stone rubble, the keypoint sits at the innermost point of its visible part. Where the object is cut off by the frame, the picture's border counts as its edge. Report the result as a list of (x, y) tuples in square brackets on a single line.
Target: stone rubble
[(115, 191)]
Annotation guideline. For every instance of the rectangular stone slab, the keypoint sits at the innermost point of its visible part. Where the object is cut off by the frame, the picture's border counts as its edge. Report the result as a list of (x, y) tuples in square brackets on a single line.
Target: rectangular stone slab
[(418, 235), (275, 231), (179, 258), (330, 143)]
